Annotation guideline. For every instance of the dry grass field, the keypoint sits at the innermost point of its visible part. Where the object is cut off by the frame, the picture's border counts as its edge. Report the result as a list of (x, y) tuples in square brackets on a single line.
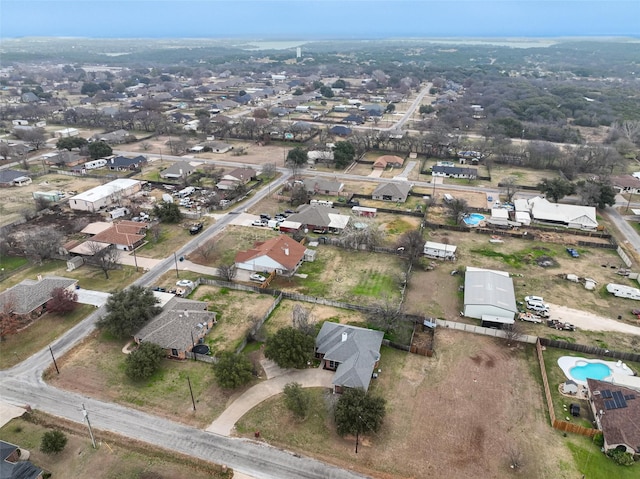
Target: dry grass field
[(462, 414)]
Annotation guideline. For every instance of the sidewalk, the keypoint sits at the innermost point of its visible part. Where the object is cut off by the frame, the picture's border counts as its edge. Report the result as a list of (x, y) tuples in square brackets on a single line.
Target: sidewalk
[(308, 378)]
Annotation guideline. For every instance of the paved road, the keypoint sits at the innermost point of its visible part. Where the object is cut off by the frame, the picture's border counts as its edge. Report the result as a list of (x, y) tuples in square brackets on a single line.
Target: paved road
[(23, 384)]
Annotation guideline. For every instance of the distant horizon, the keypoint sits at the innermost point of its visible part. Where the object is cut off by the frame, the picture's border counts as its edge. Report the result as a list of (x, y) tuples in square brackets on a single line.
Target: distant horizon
[(319, 20)]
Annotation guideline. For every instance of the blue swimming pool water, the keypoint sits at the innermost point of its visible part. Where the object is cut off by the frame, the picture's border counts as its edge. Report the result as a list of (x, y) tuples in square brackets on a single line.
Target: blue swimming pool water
[(596, 371), (473, 219)]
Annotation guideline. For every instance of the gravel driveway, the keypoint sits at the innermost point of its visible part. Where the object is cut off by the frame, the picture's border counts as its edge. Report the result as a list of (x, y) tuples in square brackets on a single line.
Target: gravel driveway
[(590, 321)]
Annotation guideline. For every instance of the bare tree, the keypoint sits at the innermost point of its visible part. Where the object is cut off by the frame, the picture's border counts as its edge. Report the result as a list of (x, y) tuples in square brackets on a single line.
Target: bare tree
[(228, 271), (515, 457), (387, 314), (207, 249), (155, 232), (42, 203), (362, 231), (411, 245), (508, 187), (458, 208), (105, 258), (512, 332), (42, 244), (269, 170), (301, 319)]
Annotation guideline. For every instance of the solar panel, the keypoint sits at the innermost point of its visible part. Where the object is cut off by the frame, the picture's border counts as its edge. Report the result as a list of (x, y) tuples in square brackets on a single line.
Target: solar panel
[(629, 396), (608, 405), (606, 394), (619, 399)]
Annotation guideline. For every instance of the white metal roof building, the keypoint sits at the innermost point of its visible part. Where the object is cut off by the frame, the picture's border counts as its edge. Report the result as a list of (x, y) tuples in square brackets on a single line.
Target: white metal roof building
[(439, 250), (571, 216), (488, 293), (104, 195)]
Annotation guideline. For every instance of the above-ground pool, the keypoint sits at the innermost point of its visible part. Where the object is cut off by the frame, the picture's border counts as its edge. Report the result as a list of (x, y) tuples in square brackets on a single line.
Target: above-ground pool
[(473, 219), (580, 369)]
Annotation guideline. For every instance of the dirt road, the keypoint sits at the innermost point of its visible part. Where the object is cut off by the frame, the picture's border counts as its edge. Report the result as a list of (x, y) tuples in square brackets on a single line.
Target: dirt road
[(590, 321)]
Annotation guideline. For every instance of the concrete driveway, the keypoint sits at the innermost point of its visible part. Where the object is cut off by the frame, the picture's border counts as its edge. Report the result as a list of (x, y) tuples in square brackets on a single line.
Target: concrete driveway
[(225, 423), (88, 296)]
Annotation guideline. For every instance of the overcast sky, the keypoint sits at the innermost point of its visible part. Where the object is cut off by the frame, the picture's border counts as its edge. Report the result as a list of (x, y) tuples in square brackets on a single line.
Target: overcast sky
[(311, 19)]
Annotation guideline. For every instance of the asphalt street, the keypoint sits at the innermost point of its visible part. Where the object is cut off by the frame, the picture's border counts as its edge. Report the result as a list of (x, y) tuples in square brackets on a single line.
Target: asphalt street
[(23, 385)]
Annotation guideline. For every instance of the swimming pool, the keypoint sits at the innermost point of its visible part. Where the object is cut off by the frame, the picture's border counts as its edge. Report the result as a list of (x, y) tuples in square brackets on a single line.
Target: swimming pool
[(579, 369), (473, 219)]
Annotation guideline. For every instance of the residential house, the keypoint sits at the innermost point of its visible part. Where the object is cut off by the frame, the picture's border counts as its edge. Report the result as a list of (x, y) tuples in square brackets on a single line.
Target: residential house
[(322, 186), (239, 176), (124, 235), (13, 463), (218, 146), (105, 195), (30, 295), (180, 326), (319, 155), (616, 410), (397, 192), (115, 137), (454, 172), (178, 170), (122, 163), (569, 216), (388, 160), (353, 120), (489, 296), (352, 352), (340, 130), (12, 178), (63, 158), (626, 184), (320, 218), (281, 254)]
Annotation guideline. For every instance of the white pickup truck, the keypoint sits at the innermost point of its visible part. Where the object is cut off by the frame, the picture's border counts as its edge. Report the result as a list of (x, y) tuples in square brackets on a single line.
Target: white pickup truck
[(532, 318)]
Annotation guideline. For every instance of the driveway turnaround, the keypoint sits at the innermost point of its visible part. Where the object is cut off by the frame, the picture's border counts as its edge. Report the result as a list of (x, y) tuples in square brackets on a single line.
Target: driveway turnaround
[(224, 424)]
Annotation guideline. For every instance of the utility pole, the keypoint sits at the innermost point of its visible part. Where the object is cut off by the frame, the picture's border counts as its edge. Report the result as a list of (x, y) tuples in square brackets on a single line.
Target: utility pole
[(175, 258), (86, 417), (54, 360), (135, 259), (191, 391)]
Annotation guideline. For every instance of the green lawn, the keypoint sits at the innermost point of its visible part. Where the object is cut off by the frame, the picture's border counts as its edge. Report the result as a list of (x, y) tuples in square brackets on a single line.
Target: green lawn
[(11, 263), (594, 464), (40, 334)]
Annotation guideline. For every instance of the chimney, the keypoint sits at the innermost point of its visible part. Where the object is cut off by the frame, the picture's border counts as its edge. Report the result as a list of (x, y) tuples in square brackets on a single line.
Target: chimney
[(344, 336)]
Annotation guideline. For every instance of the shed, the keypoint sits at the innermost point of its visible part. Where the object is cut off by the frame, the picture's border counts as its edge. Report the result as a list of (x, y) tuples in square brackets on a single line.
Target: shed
[(488, 293), (440, 250), (364, 211)]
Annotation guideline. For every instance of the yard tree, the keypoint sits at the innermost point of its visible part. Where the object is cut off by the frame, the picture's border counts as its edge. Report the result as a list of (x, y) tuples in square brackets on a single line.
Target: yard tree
[(143, 362), (343, 154), (301, 319), (508, 187), (362, 231), (99, 149), (53, 442), (104, 258), (62, 301), (411, 245), (596, 192), (358, 412), (512, 332), (232, 370), (297, 399), (269, 170), (387, 314), (299, 195), (35, 137), (458, 208), (290, 348), (167, 212), (326, 91), (70, 142), (228, 271), (128, 310), (10, 322), (41, 244), (556, 188), (296, 159)]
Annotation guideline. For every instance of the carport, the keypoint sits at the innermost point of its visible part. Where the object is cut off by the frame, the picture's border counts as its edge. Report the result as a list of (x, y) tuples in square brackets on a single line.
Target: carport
[(495, 322)]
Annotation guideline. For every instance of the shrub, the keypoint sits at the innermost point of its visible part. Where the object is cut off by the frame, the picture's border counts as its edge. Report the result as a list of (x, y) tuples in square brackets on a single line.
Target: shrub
[(144, 361), (621, 457), (53, 442), (297, 400), (233, 370), (598, 439)]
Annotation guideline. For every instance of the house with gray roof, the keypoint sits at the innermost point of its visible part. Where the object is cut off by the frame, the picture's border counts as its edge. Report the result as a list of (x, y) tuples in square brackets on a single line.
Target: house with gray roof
[(322, 186), (10, 177), (178, 327), (13, 463), (29, 295), (178, 170), (320, 218), (352, 352), (489, 296), (397, 192)]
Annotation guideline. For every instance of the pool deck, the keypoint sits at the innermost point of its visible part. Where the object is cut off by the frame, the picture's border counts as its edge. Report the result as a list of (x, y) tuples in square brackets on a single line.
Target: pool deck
[(617, 368)]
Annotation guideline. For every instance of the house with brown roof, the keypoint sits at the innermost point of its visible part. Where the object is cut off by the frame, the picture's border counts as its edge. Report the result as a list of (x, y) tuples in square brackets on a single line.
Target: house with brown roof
[(626, 184), (388, 160), (29, 295), (397, 192), (617, 413), (235, 178), (179, 326), (125, 235), (281, 254), (320, 218), (322, 186)]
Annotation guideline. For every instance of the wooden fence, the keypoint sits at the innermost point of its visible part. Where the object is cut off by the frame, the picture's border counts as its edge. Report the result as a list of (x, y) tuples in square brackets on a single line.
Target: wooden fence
[(201, 357), (472, 328), (582, 348), (256, 327)]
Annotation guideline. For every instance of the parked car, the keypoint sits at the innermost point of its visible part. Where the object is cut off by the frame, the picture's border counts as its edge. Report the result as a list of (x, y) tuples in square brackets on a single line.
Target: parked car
[(533, 299), (185, 283), (257, 277), (532, 318), (265, 216), (573, 253), (196, 228), (541, 309), (258, 223)]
